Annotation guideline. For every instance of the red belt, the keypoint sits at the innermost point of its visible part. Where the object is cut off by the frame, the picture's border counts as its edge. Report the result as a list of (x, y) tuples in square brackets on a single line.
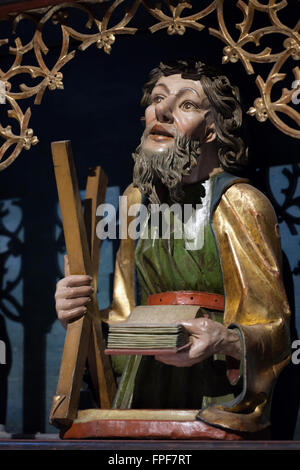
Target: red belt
[(184, 297)]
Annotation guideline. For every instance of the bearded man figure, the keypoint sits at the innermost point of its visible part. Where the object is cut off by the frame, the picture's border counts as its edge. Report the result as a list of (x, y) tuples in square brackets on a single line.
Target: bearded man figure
[(193, 152)]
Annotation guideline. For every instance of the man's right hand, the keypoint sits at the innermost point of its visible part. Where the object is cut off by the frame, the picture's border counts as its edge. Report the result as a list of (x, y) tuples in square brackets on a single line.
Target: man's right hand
[(72, 295)]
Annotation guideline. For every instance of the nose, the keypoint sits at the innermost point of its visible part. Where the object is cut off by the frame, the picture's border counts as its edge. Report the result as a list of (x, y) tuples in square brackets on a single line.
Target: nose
[(164, 111)]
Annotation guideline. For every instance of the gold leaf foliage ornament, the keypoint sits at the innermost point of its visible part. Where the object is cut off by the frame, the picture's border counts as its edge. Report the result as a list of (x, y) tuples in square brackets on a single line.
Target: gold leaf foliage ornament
[(174, 16), (105, 36), (234, 51), (176, 24), (24, 140), (265, 107), (50, 78)]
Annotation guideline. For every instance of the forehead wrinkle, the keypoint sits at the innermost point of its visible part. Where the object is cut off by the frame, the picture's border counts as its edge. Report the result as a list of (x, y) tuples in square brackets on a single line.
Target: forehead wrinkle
[(180, 92), (161, 85), (183, 90)]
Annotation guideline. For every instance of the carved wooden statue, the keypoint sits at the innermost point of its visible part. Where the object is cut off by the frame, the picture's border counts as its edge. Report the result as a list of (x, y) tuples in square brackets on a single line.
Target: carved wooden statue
[(193, 152)]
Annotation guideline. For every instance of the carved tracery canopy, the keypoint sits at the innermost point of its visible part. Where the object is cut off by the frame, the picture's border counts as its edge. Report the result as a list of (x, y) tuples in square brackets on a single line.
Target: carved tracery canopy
[(175, 17)]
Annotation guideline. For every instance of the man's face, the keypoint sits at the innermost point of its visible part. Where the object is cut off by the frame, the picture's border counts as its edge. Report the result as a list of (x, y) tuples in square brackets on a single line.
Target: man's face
[(178, 106)]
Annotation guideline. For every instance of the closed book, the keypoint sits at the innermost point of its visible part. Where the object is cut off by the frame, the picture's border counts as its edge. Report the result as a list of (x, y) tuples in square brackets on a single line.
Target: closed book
[(151, 330)]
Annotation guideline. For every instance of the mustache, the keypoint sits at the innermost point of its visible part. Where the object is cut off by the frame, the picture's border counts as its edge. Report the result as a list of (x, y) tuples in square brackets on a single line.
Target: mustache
[(160, 129), (166, 168)]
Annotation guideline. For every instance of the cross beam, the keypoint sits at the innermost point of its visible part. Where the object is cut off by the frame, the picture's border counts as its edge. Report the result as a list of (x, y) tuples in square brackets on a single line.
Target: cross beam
[(84, 340)]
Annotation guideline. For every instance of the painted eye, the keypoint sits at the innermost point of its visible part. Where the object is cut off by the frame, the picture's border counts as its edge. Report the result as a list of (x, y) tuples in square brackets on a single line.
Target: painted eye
[(188, 105), (157, 99)]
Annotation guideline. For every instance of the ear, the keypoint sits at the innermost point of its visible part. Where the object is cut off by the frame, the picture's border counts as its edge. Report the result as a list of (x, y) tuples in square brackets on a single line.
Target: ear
[(210, 133), (210, 130)]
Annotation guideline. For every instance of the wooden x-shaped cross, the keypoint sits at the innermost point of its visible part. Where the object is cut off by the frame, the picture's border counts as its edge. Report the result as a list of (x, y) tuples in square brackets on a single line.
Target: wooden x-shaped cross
[(84, 340)]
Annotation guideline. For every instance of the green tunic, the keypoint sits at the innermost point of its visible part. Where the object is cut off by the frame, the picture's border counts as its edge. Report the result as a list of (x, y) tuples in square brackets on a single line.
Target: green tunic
[(186, 263), (171, 264)]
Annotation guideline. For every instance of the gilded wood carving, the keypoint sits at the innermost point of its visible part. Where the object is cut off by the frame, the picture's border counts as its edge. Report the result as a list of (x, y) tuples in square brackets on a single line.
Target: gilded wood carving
[(173, 16)]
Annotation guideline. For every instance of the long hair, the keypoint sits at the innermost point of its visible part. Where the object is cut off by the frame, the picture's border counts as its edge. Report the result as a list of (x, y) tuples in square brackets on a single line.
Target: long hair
[(225, 103)]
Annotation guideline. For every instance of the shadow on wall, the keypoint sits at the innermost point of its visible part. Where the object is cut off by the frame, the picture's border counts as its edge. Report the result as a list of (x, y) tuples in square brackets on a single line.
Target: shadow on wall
[(5, 366), (286, 397)]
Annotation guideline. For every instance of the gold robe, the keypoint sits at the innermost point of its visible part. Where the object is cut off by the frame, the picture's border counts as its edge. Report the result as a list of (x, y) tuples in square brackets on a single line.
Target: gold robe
[(248, 241)]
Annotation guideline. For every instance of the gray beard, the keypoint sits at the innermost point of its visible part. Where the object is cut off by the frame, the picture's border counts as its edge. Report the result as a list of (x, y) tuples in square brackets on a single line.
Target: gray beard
[(152, 170)]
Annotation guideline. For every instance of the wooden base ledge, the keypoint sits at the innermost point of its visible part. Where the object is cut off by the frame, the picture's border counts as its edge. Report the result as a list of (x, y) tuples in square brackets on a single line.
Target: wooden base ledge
[(145, 424)]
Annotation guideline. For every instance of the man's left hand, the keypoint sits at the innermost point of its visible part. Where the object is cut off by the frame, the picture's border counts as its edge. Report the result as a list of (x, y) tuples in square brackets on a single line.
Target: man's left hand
[(207, 337)]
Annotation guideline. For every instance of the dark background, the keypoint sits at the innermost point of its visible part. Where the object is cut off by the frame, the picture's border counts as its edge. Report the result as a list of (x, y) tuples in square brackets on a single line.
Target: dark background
[(99, 112)]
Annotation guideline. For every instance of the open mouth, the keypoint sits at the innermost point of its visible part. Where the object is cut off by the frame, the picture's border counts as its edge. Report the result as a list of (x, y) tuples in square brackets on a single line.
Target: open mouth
[(160, 133)]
